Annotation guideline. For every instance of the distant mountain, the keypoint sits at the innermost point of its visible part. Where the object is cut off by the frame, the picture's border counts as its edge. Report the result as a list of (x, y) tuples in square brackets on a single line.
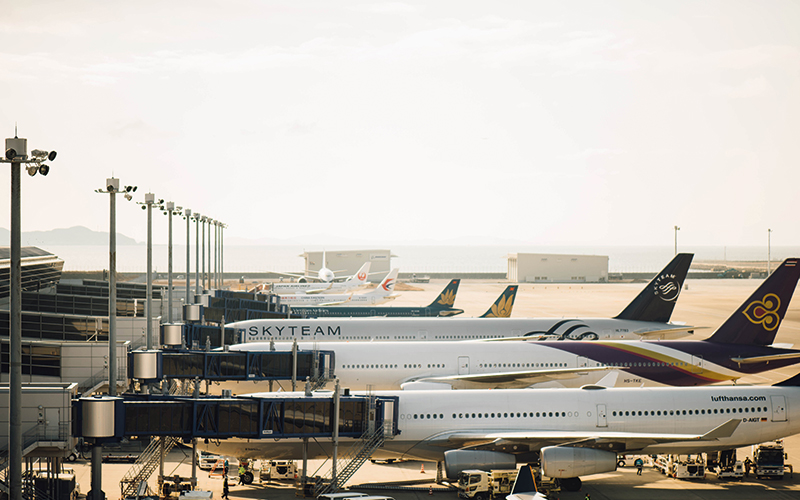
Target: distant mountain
[(323, 240), (77, 235)]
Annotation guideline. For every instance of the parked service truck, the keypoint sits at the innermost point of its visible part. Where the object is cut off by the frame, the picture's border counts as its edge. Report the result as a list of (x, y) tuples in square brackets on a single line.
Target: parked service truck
[(768, 460), (482, 485)]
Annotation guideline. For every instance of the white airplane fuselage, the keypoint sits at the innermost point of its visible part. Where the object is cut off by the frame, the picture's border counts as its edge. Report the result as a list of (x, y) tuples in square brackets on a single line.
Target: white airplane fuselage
[(432, 422), (402, 329), (364, 299)]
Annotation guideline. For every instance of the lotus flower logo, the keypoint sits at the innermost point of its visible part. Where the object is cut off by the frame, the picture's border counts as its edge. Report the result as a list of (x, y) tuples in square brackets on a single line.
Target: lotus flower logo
[(763, 311), (447, 298), (501, 308)]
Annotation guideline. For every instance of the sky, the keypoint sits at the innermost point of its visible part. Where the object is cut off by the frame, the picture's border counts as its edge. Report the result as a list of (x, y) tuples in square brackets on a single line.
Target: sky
[(543, 123)]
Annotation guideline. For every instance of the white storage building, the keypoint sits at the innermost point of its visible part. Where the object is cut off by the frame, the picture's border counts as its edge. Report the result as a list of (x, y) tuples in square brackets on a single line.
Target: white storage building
[(557, 268)]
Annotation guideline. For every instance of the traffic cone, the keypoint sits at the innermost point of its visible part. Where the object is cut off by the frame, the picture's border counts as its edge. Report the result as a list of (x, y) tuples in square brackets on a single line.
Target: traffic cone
[(430, 490), (422, 469)]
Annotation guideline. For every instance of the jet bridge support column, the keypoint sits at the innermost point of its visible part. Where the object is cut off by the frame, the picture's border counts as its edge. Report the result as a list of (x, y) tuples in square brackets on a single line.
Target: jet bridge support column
[(195, 395), (303, 475), (336, 398), (294, 365)]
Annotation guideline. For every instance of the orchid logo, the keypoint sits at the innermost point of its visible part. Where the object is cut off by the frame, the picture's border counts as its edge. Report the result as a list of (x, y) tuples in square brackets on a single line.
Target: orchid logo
[(764, 311)]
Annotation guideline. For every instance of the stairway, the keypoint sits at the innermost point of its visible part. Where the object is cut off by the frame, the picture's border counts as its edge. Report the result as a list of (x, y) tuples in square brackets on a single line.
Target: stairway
[(150, 458), (349, 462)]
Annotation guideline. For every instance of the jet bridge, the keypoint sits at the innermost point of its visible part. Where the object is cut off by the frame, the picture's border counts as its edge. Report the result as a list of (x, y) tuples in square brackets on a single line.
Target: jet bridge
[(277, 416), (151, 366)]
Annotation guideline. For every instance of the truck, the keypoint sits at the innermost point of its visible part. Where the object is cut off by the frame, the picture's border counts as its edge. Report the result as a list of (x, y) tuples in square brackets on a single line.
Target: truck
[(768, 460), (279, 470), (482, 485)]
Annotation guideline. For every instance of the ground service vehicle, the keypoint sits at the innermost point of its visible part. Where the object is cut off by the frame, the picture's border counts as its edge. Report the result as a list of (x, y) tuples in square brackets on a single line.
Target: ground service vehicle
[(768, 460), (482, 485), (279, 470), (733, 472), (689, 469)]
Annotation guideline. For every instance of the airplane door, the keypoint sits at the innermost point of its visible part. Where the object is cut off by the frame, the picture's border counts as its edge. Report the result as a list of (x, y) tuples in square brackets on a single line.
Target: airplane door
[(422, 335), (388, 419), (697, 364), (463, 365), (582, 361), (601, 416), (778, 408)]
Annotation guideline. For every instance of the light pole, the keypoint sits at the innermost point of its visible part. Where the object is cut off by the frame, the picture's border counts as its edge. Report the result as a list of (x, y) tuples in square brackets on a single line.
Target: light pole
[(187, 214), (769, 252), (149, 201), (197, 218), (676, 239), (112, 188), (208, 276), (16, 155), (170, 210), (203, 252)]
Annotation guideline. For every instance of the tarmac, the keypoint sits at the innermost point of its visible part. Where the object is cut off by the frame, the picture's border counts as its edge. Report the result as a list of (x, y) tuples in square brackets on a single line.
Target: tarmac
[(704, 303)]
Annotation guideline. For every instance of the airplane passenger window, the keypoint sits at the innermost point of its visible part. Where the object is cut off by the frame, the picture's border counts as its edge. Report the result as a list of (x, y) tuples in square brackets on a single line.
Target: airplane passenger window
[(745, 410)]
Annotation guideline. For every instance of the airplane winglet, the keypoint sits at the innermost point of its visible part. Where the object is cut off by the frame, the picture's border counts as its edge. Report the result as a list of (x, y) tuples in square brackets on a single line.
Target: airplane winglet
[(722, 431)]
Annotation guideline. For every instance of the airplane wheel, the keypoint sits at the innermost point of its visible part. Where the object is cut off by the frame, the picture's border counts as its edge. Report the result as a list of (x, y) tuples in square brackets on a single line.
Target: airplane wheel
[(72, 457), (571, 484), (621, 463), (247, 478)]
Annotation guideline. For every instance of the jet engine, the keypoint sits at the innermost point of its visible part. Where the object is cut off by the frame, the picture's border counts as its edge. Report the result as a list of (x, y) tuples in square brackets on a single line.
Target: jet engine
[(568, 462), (456, 461)]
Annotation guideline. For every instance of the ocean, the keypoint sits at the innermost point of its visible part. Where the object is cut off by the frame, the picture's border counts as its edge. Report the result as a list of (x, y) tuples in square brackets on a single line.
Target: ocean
[(410, 259)]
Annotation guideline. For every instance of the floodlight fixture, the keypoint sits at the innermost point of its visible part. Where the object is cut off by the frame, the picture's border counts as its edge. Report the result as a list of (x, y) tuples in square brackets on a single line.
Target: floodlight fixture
[(11, 153), (128, 196), (44, 169), (31, 170)]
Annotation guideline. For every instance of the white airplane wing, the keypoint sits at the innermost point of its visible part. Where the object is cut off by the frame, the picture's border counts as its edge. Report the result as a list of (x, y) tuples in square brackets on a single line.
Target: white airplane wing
[(627, 441), (655, 334), (316, 291), (510, 380), (293, 275), (336, 303), (761, 359)]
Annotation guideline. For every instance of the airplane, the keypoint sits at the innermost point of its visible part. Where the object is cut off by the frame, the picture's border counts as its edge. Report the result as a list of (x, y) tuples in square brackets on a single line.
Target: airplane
[(646, 317), (441, 306), (351, 284), (382, 293), (739, 347), (572, 432), (324, 274)]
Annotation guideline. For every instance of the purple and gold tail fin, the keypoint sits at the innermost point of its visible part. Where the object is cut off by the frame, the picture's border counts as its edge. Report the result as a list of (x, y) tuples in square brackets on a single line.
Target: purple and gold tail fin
[(757, 320)]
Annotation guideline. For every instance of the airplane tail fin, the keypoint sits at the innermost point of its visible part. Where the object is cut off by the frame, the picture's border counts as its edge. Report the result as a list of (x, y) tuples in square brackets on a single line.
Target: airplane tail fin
[(447, 298), (757, 319), (503, 305), (386, 285), (657, 300), (361, 275), (525, 483)]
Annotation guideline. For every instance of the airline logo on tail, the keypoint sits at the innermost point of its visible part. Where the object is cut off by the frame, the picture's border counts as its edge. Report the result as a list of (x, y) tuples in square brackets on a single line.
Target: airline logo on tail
[(667, 288), (361, 276), (763, 311), (388, 285), (502, 308), (447, 298)]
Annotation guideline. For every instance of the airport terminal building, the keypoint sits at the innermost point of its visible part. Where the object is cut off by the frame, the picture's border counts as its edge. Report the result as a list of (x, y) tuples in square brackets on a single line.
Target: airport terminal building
[(557, 268)]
